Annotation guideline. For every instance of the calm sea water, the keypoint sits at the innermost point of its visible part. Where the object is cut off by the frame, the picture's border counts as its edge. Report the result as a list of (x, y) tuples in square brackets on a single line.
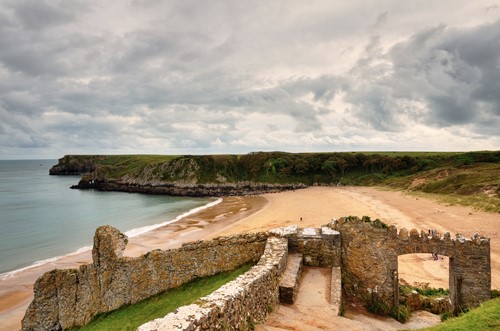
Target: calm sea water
[(41, 217)]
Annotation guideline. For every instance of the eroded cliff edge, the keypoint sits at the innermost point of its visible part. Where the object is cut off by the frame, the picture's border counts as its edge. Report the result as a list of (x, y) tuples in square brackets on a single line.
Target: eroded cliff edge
[(169, 175)]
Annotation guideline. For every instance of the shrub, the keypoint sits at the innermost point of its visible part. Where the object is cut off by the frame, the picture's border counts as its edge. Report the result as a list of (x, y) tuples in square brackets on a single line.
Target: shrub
[(379, 224), (378, 307), (401, 314)]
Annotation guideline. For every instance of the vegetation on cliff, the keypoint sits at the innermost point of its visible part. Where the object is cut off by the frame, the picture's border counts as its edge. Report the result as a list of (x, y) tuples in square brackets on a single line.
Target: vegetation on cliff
[(466, 178)]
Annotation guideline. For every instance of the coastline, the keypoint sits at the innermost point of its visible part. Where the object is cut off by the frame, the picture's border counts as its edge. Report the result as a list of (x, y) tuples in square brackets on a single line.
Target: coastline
[(131, 233), (316, 206), (16, 291)]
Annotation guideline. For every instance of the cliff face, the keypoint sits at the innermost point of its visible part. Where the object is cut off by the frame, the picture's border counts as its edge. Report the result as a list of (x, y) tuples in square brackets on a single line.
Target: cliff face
[(76, 165), (176, 176)]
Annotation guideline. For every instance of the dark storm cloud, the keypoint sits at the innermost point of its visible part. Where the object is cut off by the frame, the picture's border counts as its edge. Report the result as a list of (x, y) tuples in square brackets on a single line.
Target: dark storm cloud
[(456, 71)]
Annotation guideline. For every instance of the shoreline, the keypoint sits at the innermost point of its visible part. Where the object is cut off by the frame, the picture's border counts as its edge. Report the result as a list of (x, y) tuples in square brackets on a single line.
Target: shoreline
[(130, 233), (16, 291), (316, 206)]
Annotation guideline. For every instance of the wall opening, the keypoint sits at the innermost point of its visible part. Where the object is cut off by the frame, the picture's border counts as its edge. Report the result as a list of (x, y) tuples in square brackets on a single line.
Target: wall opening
[(424, 268), (424, 282)]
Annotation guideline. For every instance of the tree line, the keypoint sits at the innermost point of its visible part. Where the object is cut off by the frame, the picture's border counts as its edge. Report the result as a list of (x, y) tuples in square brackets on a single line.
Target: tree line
[(313, 168)]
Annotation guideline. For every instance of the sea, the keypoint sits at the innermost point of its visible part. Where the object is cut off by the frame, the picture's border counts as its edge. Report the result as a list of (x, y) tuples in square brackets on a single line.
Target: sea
[(42, 219)]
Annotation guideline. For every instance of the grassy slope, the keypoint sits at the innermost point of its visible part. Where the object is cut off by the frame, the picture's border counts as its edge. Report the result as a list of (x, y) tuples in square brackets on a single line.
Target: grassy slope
[(120, 165), (475, 185), (131, 317), (486, 317)]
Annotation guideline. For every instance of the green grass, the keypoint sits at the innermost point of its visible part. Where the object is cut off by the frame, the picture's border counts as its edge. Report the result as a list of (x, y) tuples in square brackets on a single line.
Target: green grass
[(120, 165), (476, 185), (427, 291), (131, 317), (477, 201), (486, 317)]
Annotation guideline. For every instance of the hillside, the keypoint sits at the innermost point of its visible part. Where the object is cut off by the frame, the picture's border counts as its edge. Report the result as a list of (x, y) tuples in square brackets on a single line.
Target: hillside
[(466, 178)]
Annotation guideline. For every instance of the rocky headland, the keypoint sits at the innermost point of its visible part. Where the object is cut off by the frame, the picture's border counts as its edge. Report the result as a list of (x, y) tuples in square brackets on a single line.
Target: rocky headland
[(468, 177), (73, 166), (176, 177)]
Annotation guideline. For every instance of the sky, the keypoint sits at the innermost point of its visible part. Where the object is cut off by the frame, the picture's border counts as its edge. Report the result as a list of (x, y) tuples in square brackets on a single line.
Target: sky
[(202, 77)]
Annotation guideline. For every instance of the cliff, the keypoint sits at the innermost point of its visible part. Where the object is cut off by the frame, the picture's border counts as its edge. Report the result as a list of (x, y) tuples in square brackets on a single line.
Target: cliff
[(169, 175), (76, 165), (474, 173)]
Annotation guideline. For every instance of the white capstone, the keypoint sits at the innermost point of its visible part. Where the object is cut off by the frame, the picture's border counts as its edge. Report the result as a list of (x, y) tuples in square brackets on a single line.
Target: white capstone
[(310, 232), (285, 231), (327, 231)]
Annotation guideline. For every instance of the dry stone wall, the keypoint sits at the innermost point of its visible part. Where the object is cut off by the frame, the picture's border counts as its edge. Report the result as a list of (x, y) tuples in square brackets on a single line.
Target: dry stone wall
[(370, 253), (72, 297), (237, 305)]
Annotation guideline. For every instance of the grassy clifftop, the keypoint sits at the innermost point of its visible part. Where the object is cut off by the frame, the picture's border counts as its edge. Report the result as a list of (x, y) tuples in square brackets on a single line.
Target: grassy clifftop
[(474, 175)]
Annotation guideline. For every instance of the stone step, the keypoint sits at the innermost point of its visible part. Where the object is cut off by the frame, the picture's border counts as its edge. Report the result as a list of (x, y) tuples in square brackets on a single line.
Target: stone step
[(336, 290), (289, 283)]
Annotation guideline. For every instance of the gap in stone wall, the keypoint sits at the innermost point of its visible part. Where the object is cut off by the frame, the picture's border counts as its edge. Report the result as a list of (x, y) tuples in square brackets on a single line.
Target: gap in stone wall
[(422, 268)]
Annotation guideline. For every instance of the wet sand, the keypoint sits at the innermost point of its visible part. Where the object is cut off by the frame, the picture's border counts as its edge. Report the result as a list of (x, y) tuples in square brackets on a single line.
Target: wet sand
[(316, 206)]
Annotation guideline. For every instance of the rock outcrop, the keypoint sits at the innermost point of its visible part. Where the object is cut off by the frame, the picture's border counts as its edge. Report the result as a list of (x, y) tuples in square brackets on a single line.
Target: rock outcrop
[(177, 177), (186, 189)]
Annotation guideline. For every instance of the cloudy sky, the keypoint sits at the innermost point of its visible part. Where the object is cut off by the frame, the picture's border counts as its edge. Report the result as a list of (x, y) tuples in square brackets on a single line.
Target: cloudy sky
[(176, 77)]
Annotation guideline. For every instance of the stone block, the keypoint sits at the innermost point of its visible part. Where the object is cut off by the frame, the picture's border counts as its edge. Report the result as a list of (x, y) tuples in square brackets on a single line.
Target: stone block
[(289, 283), (336, 290)]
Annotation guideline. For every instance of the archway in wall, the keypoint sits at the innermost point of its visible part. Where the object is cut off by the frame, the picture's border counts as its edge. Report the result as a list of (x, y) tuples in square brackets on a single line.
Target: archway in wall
[(425, 273), (423, 268)]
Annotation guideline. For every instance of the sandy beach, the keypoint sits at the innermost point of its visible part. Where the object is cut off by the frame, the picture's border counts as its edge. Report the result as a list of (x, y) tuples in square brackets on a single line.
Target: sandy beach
[(316, 206)]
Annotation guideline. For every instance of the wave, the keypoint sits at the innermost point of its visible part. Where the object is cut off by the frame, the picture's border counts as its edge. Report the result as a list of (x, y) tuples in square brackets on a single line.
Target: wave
[(144, 229), (130, 233)]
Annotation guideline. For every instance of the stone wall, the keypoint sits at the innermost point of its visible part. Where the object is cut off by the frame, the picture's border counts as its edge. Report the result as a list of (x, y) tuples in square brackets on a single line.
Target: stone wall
[(366, 252), (320, 247), (72, 297), (370, 253), (237, 305)]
